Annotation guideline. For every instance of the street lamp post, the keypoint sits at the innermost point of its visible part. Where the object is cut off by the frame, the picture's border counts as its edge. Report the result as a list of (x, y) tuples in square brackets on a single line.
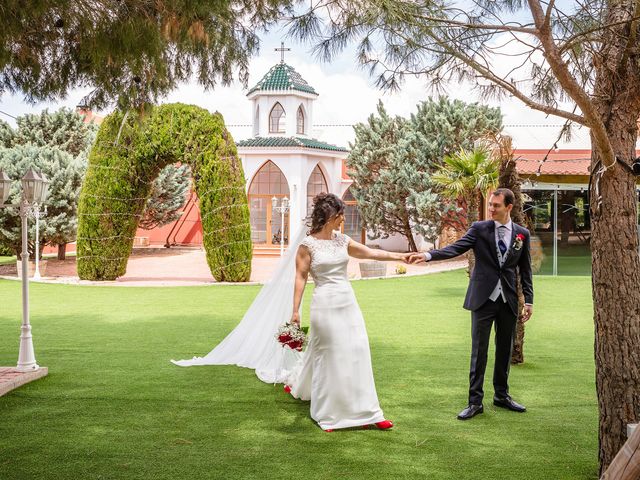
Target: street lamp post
[(35, 188), (36, 213), (282, 208)]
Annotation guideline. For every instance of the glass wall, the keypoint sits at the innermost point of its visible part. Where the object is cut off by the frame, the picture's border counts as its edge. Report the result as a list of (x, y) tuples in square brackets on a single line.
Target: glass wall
[(561, 229)]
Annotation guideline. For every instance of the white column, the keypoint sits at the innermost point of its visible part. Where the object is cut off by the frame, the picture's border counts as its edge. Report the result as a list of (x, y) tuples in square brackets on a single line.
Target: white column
[(26, 356)]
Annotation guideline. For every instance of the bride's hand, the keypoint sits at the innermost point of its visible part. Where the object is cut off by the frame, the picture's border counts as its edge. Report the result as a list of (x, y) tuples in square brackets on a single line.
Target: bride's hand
[(295, 318), (406, 257)]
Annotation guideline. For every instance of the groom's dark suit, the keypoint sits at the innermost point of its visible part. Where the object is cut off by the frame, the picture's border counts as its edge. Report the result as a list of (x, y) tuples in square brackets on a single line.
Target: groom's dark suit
[(492, 267)]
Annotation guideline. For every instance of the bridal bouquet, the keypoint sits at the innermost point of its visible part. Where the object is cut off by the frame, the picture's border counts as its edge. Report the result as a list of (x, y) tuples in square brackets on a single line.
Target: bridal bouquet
[(292, 336)]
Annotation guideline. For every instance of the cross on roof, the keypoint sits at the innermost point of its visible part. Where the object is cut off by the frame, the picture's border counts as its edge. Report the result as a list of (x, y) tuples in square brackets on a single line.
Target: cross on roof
[(282, 50)]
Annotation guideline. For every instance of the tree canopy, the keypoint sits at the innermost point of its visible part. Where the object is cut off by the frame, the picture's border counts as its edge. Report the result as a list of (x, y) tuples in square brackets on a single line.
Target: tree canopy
[(127, 51)]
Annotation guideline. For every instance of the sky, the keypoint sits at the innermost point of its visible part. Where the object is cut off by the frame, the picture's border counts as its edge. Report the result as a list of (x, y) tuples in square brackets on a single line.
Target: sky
[(347, 95)]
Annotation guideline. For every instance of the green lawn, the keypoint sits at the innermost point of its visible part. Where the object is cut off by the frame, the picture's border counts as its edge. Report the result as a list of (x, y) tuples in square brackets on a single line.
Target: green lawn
[(573, 260), (113, 407), (7, 260)]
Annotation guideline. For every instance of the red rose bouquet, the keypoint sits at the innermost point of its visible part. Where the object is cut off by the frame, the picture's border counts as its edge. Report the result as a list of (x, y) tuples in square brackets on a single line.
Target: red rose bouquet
[(292, 336)]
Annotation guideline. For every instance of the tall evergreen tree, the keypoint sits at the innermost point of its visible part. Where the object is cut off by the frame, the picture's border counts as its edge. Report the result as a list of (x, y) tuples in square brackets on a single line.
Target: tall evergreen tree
[(168, 196), (6, 134), (444, 126), (392, 180), (130, 52), (65, 173), (63, 139)]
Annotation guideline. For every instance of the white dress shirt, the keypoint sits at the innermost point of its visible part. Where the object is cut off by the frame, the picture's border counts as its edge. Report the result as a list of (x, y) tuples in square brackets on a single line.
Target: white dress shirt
[(508, 227)]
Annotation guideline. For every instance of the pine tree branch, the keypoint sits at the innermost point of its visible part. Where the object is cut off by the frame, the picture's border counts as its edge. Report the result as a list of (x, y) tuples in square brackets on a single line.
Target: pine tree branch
[(571, 86), (488, 74)]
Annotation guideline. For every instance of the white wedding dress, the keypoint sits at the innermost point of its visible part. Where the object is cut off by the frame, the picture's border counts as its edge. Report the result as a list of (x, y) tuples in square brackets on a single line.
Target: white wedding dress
[(335, 372)]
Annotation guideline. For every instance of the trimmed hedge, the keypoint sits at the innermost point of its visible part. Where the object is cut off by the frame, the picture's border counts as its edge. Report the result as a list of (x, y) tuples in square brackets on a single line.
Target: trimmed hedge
[(129, 152)]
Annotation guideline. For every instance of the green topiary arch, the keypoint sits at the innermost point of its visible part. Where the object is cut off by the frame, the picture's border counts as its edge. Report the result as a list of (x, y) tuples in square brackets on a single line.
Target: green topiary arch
[(129, 152)]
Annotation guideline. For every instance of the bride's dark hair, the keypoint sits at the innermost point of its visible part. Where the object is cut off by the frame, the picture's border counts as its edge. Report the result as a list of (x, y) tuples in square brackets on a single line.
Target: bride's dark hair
[(325, 206)]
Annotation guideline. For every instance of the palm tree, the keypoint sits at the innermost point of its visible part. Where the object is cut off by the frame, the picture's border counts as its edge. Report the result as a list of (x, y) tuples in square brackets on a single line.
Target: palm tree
[(466, 176)]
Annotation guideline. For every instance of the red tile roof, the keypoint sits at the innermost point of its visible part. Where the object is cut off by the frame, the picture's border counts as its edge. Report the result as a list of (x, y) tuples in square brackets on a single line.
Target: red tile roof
[(559, 162)]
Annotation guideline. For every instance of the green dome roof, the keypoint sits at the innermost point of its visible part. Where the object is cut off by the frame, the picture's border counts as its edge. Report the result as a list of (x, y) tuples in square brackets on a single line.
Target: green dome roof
[(276, 142), (282, 77)]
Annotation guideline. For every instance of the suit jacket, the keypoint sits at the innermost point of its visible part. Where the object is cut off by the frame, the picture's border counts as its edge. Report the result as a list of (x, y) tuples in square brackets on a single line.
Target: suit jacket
[(481, 237)]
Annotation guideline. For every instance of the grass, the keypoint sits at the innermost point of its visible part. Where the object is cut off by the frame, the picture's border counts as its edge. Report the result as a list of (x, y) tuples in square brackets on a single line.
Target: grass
[(572, 261), (113, 407), (5, 260)]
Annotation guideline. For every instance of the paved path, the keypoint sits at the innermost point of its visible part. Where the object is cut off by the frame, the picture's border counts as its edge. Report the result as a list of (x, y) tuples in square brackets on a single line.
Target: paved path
[(10, 378), (184, 267)]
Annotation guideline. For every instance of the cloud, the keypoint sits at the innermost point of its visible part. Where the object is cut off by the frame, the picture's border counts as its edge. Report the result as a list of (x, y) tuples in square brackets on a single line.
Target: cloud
[(347, 96)]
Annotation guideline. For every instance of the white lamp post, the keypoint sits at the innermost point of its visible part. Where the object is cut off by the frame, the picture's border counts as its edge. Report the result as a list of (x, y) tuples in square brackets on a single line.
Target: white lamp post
[(35, 212), (281, 209), (34, 192)]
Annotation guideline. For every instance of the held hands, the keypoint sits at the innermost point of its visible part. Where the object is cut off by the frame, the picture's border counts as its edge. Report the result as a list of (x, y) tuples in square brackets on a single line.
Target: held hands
[(527, 311), (416, 257), (405, 257), (295, 318)]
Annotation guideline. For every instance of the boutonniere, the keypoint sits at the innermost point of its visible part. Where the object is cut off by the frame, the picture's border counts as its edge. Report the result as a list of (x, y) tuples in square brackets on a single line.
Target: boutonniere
[(517, 244)]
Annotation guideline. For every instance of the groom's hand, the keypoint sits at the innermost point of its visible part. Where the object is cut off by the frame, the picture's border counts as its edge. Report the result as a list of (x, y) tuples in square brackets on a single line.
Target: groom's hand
[(416, 258), (527, 311)]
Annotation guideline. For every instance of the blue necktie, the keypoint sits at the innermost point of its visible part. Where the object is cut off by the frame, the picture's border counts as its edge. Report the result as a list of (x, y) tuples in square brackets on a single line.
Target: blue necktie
[(501, 245)]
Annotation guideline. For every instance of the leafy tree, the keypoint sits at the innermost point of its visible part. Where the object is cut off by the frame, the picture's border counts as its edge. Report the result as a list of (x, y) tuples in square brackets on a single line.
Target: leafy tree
[(466, 176), (65, 173), (6, 134), (392, 180), (543, 54), (63, 140), (445, 126), (64, 129), (168, 196), (133, 52)]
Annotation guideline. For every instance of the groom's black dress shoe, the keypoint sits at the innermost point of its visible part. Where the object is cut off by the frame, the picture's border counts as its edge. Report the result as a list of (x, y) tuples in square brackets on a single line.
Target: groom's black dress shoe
[(470, 412), (509, 404)]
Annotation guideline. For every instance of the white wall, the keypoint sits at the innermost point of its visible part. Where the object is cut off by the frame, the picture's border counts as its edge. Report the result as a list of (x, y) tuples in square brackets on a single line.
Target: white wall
[(296, 167), (290, 103)]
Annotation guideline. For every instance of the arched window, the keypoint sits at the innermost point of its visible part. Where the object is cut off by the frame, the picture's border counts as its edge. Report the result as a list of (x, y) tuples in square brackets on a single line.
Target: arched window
[(256, 121), (352, 221), (300, 121), (266, 225), (276, 119), (315, 185)]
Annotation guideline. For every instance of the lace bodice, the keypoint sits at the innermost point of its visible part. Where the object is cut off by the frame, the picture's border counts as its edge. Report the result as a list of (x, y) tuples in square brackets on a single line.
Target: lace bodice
[(329, 259)]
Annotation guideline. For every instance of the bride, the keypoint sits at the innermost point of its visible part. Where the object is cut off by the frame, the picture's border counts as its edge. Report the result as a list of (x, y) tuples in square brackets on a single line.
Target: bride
[(334, 372)]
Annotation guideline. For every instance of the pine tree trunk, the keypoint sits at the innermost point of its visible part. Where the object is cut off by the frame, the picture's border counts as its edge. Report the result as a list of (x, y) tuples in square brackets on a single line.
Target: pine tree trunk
[(412, 242), (509, 179), (614, 239), (616, 287), (472, 216), (62, 251)]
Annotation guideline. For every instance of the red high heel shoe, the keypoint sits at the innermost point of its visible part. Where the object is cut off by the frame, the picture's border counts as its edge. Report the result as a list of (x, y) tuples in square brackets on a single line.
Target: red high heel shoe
[(287, 389), (384, 425)]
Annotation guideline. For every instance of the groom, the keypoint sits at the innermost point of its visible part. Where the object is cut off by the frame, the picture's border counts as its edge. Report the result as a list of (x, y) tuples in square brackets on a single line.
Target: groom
[(499, 246)]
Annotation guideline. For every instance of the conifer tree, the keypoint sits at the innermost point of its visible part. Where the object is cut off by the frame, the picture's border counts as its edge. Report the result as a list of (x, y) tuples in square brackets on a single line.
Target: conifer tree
[(168, 196), (129, 52), (392, 180)]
